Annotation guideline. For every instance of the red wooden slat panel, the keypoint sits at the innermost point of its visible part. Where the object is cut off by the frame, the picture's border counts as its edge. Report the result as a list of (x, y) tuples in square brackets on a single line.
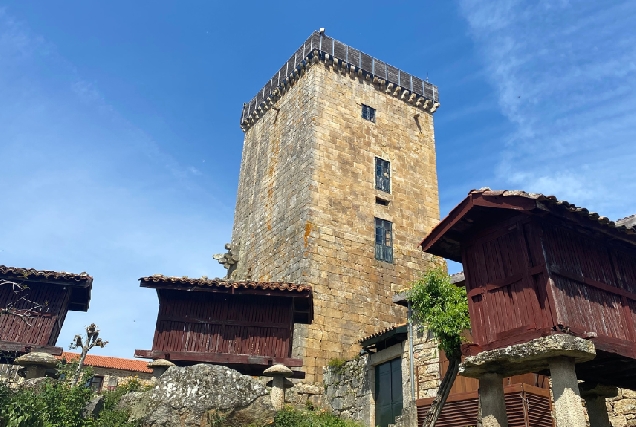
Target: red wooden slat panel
[(224, 324), (524, 409), (44, 327)]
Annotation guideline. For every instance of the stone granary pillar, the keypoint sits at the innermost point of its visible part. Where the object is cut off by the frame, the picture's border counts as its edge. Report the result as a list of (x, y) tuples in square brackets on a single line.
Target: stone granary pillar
[(279, 373), (558, 352), (36, 364), (159, 366), (595, 395), (568, 408), (492, 400)]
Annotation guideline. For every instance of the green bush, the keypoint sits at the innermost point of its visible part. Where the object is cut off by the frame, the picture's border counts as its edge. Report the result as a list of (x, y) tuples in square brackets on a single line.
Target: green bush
[(289, 417), (57, 403), (337, 364), (442, 307), (110, 415)]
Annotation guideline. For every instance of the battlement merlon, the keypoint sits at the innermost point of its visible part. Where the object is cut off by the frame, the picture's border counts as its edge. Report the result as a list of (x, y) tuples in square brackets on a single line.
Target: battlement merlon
[(320, 47)]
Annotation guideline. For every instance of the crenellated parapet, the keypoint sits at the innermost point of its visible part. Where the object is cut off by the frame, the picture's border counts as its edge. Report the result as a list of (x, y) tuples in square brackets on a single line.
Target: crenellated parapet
[(337, 56)]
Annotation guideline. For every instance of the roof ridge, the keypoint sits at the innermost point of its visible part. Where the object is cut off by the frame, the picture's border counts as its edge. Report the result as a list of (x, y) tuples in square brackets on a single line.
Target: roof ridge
[(22, 271), (228, 283)]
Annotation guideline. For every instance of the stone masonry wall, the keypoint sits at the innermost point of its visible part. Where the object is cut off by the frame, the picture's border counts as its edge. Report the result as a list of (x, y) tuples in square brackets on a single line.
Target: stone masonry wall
[(348, 390), (622, 408), (306, 206)]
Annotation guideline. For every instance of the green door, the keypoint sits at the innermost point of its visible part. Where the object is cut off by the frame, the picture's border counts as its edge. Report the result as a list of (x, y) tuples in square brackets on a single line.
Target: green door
[(388, 392)]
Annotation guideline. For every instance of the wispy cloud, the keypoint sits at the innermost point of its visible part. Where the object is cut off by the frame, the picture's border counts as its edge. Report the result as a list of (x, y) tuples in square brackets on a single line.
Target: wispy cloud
[(565, 76)]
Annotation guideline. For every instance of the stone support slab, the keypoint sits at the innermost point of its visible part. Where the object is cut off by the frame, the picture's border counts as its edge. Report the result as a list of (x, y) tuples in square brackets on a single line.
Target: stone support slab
[(533, 356), (492, 401)]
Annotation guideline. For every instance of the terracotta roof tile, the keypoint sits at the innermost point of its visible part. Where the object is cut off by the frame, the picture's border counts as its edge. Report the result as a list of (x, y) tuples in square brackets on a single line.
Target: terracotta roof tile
[(109, 362), (46, 274), (383, 331), (220, 283), (621, 225)]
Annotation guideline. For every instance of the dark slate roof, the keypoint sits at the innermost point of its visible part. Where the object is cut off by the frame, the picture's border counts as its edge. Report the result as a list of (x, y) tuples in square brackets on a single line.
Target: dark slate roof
[(157, 280), (442, 240), (80, 284), (323, 45)]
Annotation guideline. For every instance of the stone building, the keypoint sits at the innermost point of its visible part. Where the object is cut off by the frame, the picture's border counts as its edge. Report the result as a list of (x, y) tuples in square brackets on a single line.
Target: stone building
[(338, 147), (109, 372)]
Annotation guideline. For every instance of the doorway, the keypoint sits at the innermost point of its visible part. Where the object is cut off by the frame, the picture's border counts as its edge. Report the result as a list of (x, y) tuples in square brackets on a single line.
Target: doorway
[(388, 392)]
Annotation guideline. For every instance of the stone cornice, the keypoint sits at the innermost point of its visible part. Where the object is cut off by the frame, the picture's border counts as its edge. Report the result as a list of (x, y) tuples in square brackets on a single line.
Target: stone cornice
[(337, 56)]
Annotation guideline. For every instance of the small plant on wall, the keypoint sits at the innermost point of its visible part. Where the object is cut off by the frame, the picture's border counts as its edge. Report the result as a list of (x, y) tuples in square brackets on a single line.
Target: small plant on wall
[(442, 308)]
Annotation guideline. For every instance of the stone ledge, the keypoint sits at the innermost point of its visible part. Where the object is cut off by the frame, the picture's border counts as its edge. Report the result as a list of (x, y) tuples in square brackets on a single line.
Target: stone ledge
[(532, 356)]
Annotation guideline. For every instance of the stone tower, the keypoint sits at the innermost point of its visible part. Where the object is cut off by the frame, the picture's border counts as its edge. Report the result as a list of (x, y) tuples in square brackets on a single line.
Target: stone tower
[(337, 188)]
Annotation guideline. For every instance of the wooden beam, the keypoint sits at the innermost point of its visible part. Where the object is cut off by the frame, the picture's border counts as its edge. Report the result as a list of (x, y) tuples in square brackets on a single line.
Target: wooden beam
[(227, 322), (218, 358), (594, 283), (231, 291), (19, 347)]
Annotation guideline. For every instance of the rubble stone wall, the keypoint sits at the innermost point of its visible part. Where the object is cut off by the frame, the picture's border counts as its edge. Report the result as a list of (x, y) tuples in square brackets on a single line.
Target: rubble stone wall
[(622, 408), (348, 389)]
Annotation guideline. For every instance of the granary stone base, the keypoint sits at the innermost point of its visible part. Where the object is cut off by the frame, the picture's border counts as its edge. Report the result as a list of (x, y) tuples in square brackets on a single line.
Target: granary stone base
[(568, 410), (558, 353), (532, 356), (492, 400)]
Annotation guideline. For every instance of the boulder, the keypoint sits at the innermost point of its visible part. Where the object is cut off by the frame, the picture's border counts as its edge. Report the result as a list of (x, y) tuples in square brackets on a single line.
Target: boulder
[(201, 396)]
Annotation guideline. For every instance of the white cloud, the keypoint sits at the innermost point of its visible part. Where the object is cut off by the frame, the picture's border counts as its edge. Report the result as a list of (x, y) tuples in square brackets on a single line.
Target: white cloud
[(565, 76)]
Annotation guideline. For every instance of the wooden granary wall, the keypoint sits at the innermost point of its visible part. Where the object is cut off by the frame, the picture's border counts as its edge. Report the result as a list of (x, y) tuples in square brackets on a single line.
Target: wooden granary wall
[(34, 304), (42, 327), (246, 325), (533, 276), (537, 266), (222, 323)]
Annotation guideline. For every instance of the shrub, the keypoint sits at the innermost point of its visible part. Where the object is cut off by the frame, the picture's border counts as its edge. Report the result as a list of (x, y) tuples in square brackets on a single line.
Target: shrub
[(59, 403), (337, 364), (289, 417)]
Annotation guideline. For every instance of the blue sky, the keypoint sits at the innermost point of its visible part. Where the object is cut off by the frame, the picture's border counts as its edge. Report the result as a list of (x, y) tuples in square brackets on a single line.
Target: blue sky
[(119, 121)]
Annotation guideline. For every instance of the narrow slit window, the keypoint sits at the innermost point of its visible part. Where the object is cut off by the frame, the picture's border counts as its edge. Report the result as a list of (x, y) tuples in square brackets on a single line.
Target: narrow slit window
[(382, 175), (368, 113), (383, 240)]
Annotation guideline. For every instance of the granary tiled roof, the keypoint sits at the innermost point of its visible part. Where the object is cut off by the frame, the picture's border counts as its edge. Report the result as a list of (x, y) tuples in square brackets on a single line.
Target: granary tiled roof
[(109, 362), (157, 279), (321, 48), (29, 273), (443, 239), (621, 225), (80, 284)]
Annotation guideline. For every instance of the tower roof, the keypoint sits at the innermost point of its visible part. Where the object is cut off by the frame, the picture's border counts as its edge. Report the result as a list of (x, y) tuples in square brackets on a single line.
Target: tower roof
[(322, 47)]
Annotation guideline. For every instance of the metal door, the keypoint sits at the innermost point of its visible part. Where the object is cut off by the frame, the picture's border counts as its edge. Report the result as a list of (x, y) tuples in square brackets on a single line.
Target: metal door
[(388, 392)]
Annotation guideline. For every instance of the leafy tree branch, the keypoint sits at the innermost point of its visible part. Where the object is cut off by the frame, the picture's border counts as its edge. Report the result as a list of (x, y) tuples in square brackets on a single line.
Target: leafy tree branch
[(442, 308)]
